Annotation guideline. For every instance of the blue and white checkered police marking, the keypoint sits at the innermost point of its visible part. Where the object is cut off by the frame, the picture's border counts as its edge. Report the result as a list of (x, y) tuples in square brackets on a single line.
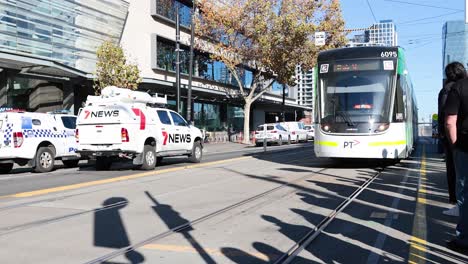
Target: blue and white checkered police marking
[(7, 134)]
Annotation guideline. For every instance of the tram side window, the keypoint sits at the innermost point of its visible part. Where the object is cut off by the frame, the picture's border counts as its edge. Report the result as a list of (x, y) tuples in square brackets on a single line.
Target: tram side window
[(399, 104)]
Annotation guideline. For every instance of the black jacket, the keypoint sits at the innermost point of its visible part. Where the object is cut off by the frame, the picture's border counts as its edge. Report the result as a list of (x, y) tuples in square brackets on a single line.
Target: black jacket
[(443, 94)]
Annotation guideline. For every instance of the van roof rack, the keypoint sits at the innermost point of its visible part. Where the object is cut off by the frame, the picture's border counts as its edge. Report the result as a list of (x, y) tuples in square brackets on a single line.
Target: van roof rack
[(112, 94)]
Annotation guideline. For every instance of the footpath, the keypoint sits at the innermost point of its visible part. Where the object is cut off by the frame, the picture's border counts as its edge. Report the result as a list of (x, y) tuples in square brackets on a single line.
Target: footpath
[(397, 219)]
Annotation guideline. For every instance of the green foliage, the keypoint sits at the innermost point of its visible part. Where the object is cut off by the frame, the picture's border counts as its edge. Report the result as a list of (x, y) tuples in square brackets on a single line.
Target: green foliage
[(112, 69)]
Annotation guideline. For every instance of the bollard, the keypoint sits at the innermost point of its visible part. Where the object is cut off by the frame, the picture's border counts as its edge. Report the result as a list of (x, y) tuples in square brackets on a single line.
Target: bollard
[(264, 145)]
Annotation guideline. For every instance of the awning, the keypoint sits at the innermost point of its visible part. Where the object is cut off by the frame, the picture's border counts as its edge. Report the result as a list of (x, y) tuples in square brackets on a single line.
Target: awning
[(38, 66)]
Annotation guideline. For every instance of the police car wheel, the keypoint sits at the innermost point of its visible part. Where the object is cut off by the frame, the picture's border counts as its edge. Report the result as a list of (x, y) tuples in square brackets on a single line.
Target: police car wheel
[(45, 159), (70, 163), (103, 163), (5, 167), (197, 153), (149, 158)]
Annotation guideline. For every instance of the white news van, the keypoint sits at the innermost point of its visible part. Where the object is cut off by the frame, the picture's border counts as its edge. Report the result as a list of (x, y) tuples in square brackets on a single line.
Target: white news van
[(126, 124), (37, 139)]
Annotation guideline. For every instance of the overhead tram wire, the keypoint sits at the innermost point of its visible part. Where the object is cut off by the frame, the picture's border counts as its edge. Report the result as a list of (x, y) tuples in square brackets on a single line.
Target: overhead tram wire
[(427, 18), (424, 5), (372, 11)]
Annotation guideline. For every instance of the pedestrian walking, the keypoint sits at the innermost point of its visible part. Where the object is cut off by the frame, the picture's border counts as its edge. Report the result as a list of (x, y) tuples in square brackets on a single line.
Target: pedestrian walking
[(457, 131), (454, 72)]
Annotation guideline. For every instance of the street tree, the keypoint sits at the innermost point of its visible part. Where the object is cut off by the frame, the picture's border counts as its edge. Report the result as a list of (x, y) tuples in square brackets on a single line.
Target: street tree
[(113, 68), (268, 37)]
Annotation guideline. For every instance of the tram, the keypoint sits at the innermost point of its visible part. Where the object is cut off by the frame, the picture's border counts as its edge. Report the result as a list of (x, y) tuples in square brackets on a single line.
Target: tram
[(365, 104)]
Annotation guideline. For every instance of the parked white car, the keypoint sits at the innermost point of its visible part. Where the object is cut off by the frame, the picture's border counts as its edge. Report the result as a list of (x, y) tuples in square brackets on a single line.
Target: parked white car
[(297, 131), (126, 124), (37, 139), (310, 131), (273, 133)]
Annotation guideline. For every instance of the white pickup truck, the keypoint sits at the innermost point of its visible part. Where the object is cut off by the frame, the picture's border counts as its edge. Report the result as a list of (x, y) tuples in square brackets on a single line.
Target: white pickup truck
[(126, 124), (37, 139)]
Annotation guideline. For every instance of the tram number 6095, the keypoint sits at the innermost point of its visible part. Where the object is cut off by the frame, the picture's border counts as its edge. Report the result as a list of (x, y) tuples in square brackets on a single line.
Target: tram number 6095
[(389, 54)]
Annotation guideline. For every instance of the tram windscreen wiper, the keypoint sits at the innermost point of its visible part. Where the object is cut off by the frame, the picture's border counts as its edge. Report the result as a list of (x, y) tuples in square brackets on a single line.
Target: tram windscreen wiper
[(346, 117)]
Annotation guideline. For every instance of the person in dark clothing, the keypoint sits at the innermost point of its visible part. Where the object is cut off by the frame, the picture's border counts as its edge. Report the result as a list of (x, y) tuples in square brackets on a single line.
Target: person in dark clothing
[(456, 110), (454, 72)]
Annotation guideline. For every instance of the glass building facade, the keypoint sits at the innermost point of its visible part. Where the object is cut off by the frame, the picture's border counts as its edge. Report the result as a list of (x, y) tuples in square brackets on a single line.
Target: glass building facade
[(65, 31), (454, 43), (204, 67)]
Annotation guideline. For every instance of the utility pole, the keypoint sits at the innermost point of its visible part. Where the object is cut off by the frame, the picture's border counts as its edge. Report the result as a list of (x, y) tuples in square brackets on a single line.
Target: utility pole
[(177, 59), (466, 11), (189, 91)]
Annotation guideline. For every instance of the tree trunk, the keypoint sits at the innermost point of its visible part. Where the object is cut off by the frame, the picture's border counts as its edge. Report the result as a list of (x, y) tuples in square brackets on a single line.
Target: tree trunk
[(246, 139)]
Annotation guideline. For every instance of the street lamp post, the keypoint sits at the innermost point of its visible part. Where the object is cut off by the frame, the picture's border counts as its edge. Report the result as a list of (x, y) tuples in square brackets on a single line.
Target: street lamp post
[(189, 91), (283, 117), (177, 59)]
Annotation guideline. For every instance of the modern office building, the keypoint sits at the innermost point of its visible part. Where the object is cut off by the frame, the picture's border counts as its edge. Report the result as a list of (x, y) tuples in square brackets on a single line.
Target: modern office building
[(454, 43), (305, 87), (383, 33), (47, 58)]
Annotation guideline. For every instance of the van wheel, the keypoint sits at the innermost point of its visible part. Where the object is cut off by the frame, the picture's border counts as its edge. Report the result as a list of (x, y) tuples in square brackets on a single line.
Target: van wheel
[(5, 167), (103, 163), (70, 163), (197, 153), (45, 159), (149, 158)]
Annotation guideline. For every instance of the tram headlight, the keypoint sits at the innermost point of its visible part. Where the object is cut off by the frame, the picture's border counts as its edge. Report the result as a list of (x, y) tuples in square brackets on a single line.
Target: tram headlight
[(382, 127), (325, 127)]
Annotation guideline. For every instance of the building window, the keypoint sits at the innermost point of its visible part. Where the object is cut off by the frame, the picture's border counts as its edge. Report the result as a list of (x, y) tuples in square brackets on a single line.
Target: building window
[(167, 9), (203, 66), (206, 116), (35, 95)]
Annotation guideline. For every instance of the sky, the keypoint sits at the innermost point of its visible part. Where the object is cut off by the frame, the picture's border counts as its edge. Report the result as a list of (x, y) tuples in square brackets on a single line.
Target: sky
[(419, 25)]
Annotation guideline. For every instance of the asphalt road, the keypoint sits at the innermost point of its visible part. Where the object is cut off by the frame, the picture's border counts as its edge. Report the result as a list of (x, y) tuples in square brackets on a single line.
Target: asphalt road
[(22, 179), (241, 206)]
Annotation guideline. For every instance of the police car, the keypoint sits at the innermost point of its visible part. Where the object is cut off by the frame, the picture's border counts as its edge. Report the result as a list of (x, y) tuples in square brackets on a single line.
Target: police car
[(126, 124), (37, 139)]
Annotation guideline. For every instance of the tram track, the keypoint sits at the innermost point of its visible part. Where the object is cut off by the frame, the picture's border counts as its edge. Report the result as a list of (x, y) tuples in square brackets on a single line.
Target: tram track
[(308, 238), (188, 225), (21, 227), (287, 257)]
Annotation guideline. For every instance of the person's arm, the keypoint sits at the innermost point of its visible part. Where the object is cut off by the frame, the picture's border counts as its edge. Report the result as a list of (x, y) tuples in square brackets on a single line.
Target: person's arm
[(451, 126), (452, 106)]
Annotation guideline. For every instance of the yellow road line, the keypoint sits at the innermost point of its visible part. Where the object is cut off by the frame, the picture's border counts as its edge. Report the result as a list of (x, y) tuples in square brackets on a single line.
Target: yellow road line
[(418, 243), (210, 251), (117, 179)]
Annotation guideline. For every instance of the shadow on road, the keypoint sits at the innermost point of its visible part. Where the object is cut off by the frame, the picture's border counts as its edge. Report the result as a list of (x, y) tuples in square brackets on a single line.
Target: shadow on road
[(175, 222), (109, 230)]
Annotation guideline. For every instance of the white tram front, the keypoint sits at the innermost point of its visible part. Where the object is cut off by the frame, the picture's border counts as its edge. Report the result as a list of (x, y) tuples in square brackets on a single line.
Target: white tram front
[(365, 106)]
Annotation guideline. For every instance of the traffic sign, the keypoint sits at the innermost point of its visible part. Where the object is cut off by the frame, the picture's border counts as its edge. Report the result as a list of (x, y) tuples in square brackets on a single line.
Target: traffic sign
[(319, 38)]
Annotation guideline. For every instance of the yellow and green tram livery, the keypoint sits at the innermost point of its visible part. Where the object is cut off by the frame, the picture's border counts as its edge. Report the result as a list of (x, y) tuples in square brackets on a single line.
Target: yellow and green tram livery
[(365, 104)]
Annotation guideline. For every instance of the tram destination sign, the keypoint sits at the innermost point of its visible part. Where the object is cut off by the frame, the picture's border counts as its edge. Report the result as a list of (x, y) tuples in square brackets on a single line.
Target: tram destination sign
[(365, 65)]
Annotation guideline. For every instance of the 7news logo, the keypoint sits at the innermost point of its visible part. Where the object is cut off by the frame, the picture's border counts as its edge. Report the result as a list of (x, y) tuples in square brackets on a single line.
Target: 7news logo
[(176, 138)]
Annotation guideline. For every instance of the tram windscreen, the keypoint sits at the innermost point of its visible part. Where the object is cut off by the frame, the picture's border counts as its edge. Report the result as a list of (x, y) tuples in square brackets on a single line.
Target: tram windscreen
[(356, 96)]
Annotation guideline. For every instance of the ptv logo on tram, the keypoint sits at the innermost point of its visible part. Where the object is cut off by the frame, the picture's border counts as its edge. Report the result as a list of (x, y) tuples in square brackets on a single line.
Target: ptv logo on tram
[(350, 144)]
